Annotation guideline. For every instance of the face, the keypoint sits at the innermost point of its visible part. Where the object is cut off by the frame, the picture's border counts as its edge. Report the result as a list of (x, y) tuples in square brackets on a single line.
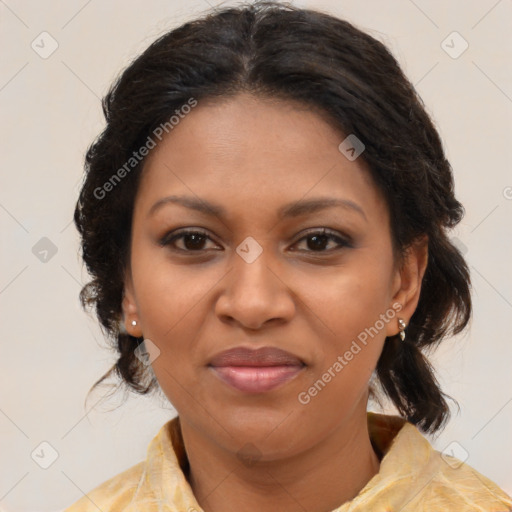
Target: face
[(265, 270)]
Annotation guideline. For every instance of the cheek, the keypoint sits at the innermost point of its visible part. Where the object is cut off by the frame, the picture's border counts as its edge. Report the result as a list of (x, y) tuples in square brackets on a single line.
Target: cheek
[(353, 308), (347, 352), (349, 299), (167, 292), (172, 302)]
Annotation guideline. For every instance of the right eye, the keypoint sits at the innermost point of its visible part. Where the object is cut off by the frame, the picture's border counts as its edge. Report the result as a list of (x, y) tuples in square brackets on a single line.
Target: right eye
[(192, 239)]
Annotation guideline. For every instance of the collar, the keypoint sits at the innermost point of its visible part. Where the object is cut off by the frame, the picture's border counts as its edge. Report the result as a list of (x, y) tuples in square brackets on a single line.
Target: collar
[(167, 459), (413, 477)]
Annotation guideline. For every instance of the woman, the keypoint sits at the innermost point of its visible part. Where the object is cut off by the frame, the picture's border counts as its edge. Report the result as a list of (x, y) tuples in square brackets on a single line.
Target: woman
[(265, 220)]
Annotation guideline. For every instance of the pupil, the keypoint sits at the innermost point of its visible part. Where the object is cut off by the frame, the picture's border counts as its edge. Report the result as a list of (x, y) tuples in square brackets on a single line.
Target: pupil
[(197, 240), (321, 244)]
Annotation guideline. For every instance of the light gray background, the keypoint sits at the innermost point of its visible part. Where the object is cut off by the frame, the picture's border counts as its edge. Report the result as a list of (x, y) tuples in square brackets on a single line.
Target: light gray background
[(52, 351)]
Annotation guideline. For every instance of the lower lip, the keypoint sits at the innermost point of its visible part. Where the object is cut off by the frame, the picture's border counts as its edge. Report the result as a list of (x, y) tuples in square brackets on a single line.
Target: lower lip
[(256, 379)]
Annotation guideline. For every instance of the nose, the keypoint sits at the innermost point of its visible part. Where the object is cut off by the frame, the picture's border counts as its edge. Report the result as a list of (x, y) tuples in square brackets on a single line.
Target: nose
[(255, 293)]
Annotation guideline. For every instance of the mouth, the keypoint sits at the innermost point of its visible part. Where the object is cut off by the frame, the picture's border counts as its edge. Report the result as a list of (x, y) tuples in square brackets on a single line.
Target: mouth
[(256, 371)]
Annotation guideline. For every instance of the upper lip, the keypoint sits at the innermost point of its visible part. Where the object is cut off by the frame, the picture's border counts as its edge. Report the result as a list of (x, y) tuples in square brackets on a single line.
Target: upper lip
[(264, 356)]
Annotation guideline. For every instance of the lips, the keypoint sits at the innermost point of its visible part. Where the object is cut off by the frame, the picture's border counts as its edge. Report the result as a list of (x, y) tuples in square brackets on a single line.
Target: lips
[(265, 356), (256, 371)]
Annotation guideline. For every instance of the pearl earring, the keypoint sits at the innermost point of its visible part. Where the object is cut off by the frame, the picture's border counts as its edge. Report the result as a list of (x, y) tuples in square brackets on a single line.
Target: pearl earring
[(402, 325), (134, 323)]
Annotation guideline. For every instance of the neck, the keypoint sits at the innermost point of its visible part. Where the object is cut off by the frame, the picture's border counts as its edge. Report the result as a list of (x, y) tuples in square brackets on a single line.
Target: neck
[(324, 477)]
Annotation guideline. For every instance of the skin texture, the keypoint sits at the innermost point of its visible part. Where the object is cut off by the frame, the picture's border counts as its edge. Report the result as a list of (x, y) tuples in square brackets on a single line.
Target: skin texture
[(312, 298)]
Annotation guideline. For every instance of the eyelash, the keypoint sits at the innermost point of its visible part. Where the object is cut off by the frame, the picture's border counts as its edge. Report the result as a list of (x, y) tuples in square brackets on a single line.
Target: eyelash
[(343, 242)]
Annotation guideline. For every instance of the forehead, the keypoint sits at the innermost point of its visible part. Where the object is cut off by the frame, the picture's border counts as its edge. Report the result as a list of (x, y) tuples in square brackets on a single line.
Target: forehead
[(257, 153)]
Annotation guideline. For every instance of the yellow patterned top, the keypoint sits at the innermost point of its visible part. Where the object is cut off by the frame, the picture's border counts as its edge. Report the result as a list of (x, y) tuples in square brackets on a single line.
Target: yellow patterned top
[(413, 477)]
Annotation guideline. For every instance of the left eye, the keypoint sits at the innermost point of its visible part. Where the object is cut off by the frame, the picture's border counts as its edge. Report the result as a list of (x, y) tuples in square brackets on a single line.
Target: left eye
[(318, 239)]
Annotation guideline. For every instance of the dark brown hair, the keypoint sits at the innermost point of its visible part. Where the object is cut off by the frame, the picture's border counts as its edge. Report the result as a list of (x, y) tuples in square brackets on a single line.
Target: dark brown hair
[(323, 62)]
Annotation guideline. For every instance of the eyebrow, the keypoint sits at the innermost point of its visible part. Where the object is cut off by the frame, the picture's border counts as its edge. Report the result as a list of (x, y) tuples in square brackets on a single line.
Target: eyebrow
[(290, 210)]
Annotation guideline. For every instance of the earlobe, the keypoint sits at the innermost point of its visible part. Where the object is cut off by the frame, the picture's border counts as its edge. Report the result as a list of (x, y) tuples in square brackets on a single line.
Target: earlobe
[(409, 280), (130, 310)]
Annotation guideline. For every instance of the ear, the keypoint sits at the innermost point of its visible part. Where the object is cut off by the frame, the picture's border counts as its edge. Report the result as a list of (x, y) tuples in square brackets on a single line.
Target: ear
[(407, 282), (130, 309)]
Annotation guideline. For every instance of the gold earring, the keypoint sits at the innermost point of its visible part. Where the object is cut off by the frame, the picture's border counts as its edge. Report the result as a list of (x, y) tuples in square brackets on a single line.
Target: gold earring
[(402, 325)]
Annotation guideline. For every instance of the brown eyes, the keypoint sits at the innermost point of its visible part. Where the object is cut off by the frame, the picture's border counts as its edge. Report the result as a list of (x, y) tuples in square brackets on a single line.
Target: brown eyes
[(193, 240)]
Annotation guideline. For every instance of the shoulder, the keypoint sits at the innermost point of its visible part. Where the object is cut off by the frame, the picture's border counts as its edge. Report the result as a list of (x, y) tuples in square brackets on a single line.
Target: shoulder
[(158, 478), (453, 485), (415, 477), (114, 494)]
